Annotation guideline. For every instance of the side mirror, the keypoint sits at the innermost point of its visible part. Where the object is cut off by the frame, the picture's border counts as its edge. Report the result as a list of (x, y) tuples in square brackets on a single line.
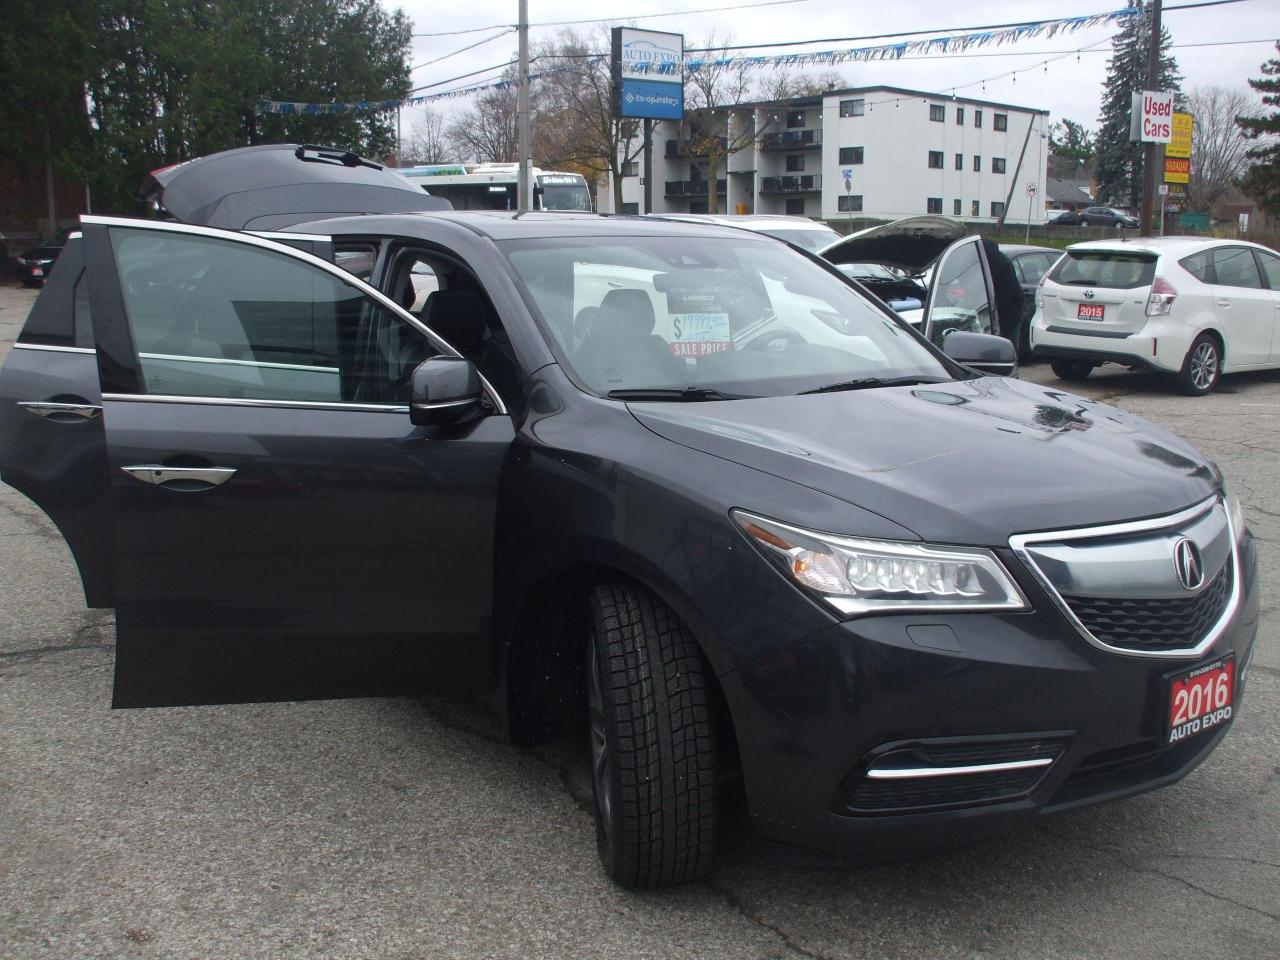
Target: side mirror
[(983, 351), (445, 391)]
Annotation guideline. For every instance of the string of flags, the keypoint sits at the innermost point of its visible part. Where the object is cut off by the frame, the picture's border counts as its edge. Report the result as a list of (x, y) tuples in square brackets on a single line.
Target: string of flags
[(887, 51)]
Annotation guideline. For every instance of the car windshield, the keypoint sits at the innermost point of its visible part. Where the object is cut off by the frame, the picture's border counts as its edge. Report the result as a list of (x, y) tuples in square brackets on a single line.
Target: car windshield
[(1105, 268), (814, 239), (741, 316)]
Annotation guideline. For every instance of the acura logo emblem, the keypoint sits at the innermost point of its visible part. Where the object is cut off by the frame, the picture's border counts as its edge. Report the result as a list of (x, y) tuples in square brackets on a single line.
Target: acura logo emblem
[(1187, 563), (1088, 294)]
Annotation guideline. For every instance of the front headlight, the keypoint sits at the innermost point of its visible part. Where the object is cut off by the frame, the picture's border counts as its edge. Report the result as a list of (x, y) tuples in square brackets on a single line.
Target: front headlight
[(855, 576)]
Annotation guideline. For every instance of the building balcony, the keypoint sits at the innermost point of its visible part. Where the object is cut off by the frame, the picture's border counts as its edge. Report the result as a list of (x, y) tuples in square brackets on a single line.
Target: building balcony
[(808, 183), (792, 140), (694, 188)]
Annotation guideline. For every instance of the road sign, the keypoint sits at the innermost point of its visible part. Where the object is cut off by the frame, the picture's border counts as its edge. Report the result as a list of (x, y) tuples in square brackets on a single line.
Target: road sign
[(1180, 144), (1032, 189), (847, 173), (1244, 223), (1163, 189)]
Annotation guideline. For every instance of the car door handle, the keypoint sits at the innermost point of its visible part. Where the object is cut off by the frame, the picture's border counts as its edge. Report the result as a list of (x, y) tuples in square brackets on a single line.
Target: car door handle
[(62, 412), (181, 478), (1223, 303)]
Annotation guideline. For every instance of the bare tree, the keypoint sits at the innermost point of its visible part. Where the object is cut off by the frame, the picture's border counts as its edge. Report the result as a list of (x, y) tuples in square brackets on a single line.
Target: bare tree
[(718, 121), (1219, 147), (487, 131), (578, 128), (428, 143), (782, 83)]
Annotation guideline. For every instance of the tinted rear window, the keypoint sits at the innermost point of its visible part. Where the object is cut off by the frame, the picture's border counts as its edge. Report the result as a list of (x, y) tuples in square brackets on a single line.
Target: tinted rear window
[(1105, 268)]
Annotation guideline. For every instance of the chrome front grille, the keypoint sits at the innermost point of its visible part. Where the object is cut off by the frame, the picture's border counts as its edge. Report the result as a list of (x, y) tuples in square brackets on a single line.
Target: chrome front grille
[(1120, 587), (1166, 623)]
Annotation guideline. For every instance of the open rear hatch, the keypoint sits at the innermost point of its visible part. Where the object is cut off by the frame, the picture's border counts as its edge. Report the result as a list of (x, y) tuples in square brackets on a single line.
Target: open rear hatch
[(276, 185)]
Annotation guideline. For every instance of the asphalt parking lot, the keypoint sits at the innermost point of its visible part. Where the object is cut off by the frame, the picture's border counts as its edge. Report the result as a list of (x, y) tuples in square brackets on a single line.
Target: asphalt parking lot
[(404, 829)]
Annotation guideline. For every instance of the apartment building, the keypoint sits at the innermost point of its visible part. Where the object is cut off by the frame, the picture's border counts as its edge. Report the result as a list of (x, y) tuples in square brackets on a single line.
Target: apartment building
[(906, 152)]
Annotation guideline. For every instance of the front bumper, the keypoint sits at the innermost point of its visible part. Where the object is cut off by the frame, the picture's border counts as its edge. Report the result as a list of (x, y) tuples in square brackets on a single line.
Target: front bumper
[(811, 718)]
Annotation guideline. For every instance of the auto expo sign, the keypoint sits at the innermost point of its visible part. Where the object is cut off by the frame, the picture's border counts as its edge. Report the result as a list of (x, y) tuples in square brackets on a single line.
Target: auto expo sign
[(648, 74), (1157, 117)]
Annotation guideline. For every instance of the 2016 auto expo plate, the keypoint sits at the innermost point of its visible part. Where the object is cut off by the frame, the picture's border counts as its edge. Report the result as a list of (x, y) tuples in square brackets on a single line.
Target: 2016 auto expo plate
[(1090, 311), (1201, 699)]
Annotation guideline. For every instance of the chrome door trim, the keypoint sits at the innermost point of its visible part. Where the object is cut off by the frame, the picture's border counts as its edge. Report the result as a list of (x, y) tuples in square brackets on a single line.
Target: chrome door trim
[(334, 270), (249, 402), (1019, 543), (49, 346), (282, 235), (271, 365), (44, 408), (918, 773), (442, 404), (159, 474)]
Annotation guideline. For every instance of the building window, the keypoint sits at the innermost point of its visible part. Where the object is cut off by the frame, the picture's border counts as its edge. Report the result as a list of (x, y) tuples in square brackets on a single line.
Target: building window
[(935, 159), (850, 203), (955, 208), (933, 205), (795, 207), (959, 116), (997, 164), (631, 209), (1000, 121), (795, 163), (850, 156), (631, 169), (977, 163), (959, 161), (977, 118), (974, 209), (795, 119), (852, 108), (997, 208), (937, 112)]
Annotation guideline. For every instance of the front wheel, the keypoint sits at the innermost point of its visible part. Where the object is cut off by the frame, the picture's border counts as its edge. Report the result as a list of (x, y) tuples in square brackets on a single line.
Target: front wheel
[(653, 741), (1202, 367)]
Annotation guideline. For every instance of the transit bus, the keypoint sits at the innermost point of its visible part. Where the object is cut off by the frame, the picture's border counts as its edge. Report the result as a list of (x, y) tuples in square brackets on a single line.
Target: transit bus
[(492, 186)]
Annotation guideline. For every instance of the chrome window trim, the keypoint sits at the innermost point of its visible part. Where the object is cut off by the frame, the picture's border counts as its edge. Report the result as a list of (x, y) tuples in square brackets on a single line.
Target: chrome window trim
[(282, 235), (52, 347), (183, 358), (334, 270), (255, 402), (919, 773), (1019, 543)]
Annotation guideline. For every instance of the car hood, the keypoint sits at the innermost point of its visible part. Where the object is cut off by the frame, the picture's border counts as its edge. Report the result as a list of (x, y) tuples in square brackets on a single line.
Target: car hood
[(272, 186), (911, 244), (968, 462)]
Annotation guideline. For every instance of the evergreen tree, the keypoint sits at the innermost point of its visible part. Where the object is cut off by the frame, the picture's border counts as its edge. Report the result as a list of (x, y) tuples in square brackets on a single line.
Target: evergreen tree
[(1262, 182), (1119, 162)]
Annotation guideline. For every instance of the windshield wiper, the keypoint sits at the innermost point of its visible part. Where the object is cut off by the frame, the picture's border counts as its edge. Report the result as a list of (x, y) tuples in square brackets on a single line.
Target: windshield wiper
[(678, 394), (867, 383)]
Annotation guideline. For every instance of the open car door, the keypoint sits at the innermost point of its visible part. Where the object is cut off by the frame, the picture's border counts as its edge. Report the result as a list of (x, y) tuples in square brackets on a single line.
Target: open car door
[(281, 529), (961, 293)]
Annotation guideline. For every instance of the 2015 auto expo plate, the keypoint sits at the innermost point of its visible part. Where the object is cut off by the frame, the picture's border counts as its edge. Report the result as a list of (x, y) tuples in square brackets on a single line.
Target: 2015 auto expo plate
[(1090, 311), (1201, 699)]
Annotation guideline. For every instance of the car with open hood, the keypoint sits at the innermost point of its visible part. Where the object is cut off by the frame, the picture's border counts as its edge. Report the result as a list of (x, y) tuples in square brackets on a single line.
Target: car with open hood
[(567, 462)]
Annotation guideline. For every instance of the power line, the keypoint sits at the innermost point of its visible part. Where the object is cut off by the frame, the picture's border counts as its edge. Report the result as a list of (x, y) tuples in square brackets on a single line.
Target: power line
[(464, 76), (470, 46)]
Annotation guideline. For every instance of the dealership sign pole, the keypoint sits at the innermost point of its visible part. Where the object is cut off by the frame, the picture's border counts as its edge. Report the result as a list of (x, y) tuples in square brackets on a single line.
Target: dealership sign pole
[(648, 84)]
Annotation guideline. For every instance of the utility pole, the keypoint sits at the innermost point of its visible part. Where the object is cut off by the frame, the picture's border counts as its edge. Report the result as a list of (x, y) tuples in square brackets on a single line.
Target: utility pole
[(1017, 171), (524, 191), (648, 167), (1149, 148)]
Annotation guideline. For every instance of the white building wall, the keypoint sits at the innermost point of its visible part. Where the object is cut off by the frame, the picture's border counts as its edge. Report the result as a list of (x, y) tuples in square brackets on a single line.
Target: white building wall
[(894, 179)]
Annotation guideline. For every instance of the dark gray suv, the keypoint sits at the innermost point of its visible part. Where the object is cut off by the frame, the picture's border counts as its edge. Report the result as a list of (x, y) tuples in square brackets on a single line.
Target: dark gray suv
[(686, 487)]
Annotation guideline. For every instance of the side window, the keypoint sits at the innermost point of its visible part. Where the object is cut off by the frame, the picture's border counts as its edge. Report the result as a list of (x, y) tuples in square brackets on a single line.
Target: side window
[(212, 317), (1199, 265), (357, 259), (960, 296), (1270, 268), (1234, 267), (1031, 267)]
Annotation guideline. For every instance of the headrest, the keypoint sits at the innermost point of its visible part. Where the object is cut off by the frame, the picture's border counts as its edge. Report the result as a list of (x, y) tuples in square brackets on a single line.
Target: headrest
[(583, 322), (459, 317), (628, 310)]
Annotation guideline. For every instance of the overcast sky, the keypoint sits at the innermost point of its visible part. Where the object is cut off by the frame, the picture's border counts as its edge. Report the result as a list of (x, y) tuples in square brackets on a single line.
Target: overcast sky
[(1070, 87)]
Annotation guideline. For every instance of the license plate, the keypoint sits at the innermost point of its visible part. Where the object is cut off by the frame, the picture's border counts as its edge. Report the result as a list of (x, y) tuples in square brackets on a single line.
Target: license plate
[(37, 271), (1201, 699), (1090, 311)]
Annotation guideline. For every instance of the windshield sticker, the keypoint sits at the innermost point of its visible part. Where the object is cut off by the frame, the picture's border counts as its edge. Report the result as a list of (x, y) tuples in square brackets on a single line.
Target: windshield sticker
[(698, 334)]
